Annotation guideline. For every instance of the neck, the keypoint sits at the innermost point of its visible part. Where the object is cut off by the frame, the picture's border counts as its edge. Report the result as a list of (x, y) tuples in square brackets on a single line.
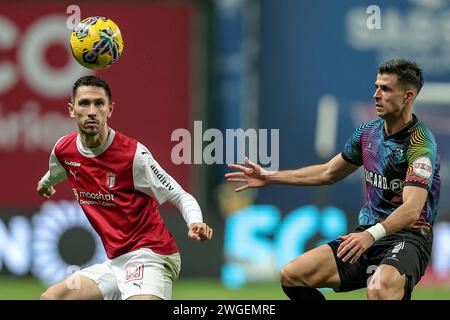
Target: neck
[(97, 140), (397, 124)]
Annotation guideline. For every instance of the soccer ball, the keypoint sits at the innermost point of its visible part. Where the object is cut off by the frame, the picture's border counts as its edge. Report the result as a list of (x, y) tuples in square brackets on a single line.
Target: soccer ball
[(96, 42)]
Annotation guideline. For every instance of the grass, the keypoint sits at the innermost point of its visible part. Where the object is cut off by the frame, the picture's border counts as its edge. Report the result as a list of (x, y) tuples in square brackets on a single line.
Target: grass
[(214, 290), (23, 288), (187, 289)]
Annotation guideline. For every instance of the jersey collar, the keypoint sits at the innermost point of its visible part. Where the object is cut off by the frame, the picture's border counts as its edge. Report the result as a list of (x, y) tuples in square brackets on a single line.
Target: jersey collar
[(402, 132), (94, 152)]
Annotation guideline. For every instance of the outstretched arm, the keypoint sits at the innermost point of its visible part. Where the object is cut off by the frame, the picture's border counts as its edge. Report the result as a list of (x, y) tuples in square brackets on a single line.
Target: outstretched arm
[(255, 177)]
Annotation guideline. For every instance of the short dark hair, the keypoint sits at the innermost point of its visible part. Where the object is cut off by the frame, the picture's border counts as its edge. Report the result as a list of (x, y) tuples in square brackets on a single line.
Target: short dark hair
[(407, 71), (92, 81)]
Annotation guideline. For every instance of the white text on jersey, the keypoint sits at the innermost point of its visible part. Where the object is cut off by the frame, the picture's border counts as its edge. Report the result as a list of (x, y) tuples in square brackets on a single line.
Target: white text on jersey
[(72, 163), (376, 180)]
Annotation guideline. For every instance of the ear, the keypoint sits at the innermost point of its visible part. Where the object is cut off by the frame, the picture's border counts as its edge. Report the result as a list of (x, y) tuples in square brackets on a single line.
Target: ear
[(71, 110), (110, 109), (409, 96)]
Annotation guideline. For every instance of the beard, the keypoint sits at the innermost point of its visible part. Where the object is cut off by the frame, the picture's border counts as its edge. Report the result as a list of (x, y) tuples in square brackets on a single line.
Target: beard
[(90, 130)]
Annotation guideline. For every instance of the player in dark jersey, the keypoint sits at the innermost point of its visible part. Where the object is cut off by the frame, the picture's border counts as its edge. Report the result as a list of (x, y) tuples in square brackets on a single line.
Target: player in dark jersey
[(390, 249), (118, 184)]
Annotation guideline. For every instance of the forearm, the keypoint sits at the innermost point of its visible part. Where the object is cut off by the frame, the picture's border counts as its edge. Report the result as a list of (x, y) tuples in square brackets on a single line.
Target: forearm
[(51, 178), (56, 172), (188, 207), (402, 217), (46, 180), (328, 173), (308, 176), (414, 199)]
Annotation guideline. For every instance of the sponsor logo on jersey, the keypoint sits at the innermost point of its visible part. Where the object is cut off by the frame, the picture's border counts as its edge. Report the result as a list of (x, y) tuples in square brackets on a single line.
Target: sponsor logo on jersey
[(396, 185), (94, 198), (96, 195), (376, 180), (422, 167), (161, 177), (110, 179), (381, 182), (72, 163), (75, 193)]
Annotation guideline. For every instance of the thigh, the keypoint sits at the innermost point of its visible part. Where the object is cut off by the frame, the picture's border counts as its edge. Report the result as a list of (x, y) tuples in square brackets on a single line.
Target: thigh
[(144, 274), (75, 287), (103, 278), (315, 268), (355, 275)]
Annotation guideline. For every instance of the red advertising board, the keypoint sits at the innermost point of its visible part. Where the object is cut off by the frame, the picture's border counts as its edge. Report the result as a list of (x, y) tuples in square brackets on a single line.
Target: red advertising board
[(151, 86)]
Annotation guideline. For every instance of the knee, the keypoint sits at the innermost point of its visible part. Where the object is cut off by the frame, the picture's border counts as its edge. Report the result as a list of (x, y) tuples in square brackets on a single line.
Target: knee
[(290, 278), (52, 294), (48, 295), (385, 293), (285, 277), (386, 288)]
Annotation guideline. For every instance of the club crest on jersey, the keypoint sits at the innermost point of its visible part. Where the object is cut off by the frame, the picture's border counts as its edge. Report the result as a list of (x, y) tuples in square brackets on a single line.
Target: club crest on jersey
[(134, 271), (110, 179), (398, 156)]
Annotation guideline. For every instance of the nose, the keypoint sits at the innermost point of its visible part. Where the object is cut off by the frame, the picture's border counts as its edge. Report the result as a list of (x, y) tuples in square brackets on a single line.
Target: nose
[(377, 94), (92, 110)]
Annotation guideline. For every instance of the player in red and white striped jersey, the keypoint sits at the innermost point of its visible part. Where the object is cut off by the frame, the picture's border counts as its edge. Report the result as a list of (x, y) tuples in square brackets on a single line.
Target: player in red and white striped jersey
[(118, 184)]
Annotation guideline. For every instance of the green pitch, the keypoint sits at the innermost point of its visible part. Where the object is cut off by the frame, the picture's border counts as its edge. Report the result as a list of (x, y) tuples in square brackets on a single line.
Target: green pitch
[(214, 290), (30, 289)]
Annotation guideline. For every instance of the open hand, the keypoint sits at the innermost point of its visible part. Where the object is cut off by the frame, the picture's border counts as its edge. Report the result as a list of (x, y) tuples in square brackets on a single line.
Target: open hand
[(253, 176)]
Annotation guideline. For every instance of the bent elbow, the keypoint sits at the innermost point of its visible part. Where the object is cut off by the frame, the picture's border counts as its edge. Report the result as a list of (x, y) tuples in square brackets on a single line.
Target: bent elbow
[(415, 215)]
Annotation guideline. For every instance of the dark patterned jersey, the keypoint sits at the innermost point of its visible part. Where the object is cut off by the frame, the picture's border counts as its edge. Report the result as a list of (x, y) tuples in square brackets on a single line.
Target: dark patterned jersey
[(410, 157)]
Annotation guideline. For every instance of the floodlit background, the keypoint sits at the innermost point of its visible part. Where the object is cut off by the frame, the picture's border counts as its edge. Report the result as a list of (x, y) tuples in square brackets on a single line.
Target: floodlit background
[(296, 76)]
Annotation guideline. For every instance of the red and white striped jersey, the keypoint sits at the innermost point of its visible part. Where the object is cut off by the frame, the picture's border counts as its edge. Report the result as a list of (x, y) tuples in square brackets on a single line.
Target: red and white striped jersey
[(118, 186)]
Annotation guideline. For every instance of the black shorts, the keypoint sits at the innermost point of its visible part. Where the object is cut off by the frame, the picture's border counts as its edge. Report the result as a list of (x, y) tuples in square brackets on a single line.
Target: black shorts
[(408, 250)]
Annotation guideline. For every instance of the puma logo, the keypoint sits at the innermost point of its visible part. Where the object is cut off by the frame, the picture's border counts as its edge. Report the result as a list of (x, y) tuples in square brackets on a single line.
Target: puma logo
[(138, 285), (74, 173)]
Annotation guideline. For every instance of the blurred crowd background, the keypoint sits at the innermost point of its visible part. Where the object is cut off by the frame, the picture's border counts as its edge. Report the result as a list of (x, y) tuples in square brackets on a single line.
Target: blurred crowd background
[(285, 82)]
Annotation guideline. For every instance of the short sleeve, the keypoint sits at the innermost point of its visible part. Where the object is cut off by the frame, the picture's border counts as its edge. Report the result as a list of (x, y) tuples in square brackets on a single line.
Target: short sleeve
[(421, 158), (352, 151)]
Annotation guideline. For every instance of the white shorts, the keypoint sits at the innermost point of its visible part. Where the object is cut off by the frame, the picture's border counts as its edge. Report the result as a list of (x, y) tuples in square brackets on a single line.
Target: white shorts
[(135, 273)]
